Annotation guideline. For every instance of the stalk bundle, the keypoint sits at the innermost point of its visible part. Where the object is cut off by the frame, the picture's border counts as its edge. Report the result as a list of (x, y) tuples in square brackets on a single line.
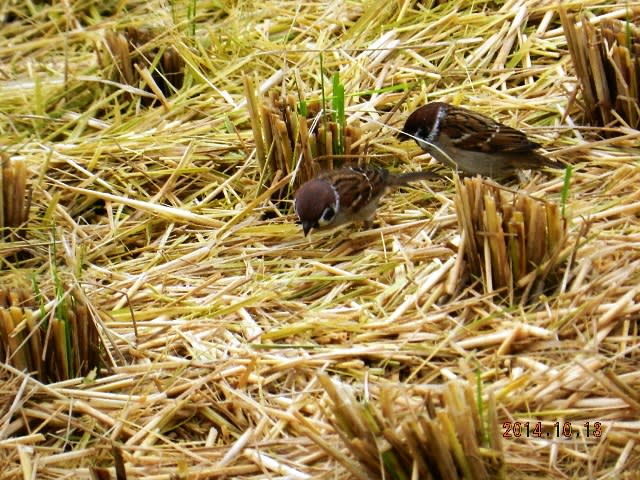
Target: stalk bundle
[(512, 241), (607, 62)]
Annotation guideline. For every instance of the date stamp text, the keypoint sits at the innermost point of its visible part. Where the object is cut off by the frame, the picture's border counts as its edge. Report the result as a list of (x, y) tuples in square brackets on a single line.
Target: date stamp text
[(556, 430)]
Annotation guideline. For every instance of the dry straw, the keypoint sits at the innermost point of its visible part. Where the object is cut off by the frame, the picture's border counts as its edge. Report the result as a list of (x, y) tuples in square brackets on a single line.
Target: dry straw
[(54, 343), (513, 242), (134, 60), (161, 212), (300, 137), (15, 196), (432, 433), (607, 62)]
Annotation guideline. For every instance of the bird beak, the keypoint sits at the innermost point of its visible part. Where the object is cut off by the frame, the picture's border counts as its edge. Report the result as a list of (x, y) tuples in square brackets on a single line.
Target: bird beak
[(306, 226)]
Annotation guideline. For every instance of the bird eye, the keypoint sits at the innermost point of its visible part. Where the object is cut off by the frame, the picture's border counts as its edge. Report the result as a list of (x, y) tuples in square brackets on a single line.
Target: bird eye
[(327, 215)]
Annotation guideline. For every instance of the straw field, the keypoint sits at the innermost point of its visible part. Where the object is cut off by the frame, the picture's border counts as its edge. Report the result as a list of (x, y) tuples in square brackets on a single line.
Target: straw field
[(163, 316)]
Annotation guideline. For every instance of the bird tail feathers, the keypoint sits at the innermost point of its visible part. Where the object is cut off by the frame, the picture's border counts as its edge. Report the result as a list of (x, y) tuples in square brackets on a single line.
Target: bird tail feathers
[(405, 178)]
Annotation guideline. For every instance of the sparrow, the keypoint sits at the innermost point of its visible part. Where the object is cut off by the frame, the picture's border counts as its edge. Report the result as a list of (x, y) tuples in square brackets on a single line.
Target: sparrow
[(345, 195), (471, 142)]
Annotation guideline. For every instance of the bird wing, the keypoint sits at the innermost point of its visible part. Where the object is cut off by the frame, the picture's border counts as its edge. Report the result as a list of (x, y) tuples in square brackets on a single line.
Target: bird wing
[(471, 131), (355, 193)]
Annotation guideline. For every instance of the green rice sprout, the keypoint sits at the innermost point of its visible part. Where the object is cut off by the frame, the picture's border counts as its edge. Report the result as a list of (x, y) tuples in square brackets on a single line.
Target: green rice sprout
[(338, 109)]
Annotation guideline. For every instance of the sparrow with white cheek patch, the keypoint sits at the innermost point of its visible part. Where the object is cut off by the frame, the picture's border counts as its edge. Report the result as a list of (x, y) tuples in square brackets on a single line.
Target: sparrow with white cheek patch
[(349, 194), (471, 142)]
